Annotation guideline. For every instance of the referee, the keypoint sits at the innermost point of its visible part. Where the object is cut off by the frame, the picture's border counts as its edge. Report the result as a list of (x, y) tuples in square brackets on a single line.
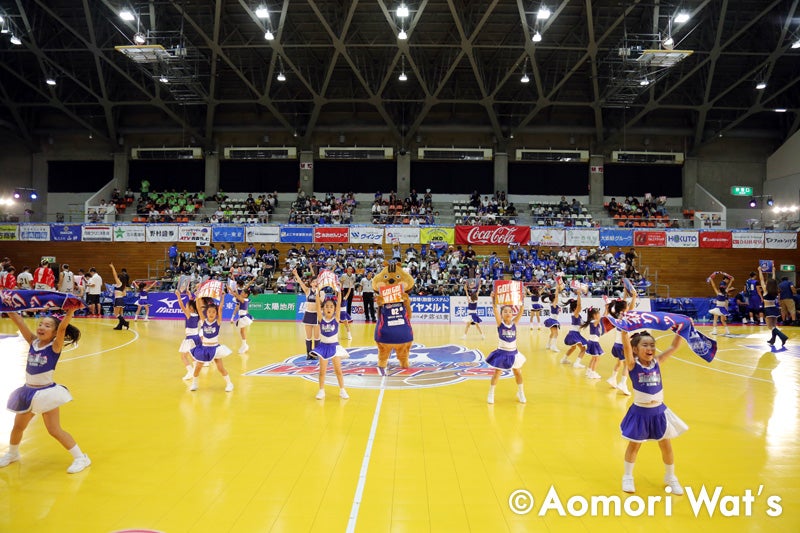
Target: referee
[(348, 281), (368, 294)]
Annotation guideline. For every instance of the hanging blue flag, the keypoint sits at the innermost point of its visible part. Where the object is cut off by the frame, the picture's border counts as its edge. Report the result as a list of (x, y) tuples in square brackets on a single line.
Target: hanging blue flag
[(682, 325)]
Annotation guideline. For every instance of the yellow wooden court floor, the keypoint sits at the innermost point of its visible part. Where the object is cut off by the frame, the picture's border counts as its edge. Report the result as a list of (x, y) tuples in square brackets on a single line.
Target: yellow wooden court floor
[(415, 451)]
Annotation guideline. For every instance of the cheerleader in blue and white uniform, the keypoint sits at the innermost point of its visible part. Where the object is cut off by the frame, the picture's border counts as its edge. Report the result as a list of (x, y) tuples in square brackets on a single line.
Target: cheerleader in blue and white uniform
[(41, 394), (310, 320), (593, 347), (720, 309), (210, 349), (617, 309), (191, 335), (574, 339), (328, 347), (536, 307), (506, 356), (472, 312), (648, 418), (771, 310), (243, 316), (142, 303), (551, 322)]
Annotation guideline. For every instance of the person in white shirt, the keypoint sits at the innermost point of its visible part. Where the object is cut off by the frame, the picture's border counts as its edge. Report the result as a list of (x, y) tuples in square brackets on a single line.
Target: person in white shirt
[(94, 287), (66, 280), (24, 279)]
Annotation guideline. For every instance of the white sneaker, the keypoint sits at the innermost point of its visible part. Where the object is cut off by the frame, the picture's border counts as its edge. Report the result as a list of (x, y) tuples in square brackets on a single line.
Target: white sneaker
[(79, 464), (189, 375), (612, 381), (343, 395), (244, 348), (627, 484), (744, 321), (714, 331), (320, 395), (591, 374), (521, 397), (565, 360), (622, 386), (194, 386), (553, 348), (490, 398), (349, 336), (578, 364), (727, 331), (146, 319), (229, 387), (674, 485), (9, 458)]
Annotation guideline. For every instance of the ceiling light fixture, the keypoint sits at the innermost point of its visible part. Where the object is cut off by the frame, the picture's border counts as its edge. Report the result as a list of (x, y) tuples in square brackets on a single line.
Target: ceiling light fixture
[(780, 110), (139, 38), (669, 42), (682, 17), (126, 15), (402, 11), (761, 85), (537, 37), (50, 81), (543, 13), (163, 79), (15, 40), (796, 44), (402, 35), (402, 76), (262, 12), (281, 76), (525, 78), (269, 36), (644, 82)]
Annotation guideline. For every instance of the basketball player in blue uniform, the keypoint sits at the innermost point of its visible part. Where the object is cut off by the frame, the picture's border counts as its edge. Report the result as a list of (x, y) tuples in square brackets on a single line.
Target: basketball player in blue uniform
[(328, 347), (40, 394), (506, 356), (648, 418)]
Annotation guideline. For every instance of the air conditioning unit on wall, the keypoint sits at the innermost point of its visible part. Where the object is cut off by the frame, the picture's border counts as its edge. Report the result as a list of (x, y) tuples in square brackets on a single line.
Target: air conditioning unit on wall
[(356, 152), (654, 158), (554, 156), (455, 154), (260, 152), (166, 153)]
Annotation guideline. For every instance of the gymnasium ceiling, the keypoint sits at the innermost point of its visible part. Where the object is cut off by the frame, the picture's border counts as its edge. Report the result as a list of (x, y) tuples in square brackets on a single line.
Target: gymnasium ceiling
[(463, 59)]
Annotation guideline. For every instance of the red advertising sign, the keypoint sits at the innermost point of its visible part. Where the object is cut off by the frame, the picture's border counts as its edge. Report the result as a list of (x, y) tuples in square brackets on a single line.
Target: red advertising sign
[(331, 234), (502, 235), (649, 238), (716, 239)]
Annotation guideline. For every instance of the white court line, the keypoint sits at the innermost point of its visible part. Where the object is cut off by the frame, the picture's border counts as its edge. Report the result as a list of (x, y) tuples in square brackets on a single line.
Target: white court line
[(134, 339), (362, 476)]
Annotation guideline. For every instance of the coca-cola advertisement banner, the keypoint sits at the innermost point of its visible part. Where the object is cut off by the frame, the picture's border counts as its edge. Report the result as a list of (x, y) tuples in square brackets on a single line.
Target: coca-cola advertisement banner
[(716, 239), (650, 238), (331, 233), (502, 235)]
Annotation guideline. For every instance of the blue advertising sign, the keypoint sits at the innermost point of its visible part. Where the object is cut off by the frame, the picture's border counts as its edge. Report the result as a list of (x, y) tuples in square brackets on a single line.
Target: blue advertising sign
[(297, 234), (300, 306), (227, 233), (616, 237), (164, 305), (65, 232)]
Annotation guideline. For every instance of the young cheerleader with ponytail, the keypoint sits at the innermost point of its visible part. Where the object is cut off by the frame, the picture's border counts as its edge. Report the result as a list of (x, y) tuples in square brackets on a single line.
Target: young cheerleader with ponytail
[(617, 309), (593, 347), (551, 322), (574, 339)]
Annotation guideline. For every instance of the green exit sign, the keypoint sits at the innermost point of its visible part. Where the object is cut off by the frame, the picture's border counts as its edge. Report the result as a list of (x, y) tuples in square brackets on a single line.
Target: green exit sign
[(787, 268), (740, 190)]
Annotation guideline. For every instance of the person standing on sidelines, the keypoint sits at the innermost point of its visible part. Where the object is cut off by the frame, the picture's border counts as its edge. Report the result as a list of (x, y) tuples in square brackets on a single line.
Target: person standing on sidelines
[(66, 280), (25, 279), (368, 295), (348, 283), (786, 292), (771, 311), (43, 277), (121, 283), (94, 287)]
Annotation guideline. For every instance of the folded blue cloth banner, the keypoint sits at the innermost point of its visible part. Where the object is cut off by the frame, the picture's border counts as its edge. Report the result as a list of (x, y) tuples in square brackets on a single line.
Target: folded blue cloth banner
[(682, 325), (11, 301)]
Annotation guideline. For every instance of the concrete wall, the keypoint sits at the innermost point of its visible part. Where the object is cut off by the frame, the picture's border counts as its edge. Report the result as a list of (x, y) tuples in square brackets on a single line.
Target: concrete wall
[(728, 162)]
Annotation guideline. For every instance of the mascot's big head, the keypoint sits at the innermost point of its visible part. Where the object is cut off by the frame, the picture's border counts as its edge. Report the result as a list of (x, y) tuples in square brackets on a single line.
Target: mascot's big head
[(392, 274)]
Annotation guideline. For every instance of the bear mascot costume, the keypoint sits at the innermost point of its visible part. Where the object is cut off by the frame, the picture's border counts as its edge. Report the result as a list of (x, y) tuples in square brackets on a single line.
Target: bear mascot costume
[(393, 330)]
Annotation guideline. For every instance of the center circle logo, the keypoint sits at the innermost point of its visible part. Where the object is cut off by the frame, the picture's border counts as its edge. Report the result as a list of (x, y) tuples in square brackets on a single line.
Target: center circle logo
[(430, 366)]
